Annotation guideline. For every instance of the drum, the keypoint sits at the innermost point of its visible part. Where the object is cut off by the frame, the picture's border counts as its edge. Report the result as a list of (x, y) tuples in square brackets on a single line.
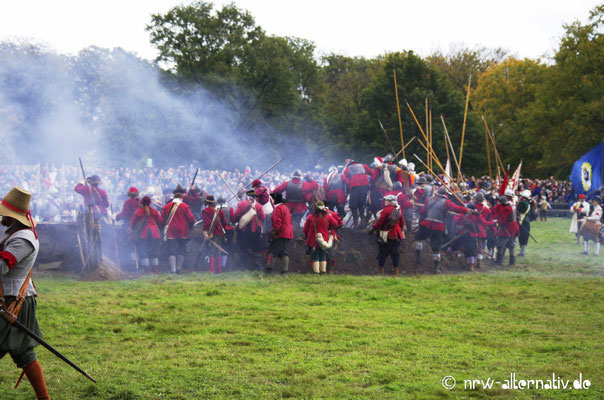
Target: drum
[(592, 231)]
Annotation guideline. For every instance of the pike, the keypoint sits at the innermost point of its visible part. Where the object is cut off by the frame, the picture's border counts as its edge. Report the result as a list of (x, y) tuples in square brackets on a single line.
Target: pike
[(227, 185), (194, 177), (12, 319), (437, 177), (388, 139), (406, 145), (260, 176)]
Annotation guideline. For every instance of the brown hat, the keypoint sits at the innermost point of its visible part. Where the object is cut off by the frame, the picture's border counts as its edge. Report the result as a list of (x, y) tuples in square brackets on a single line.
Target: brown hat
[(209, 200), (16, 205), (319, 205)]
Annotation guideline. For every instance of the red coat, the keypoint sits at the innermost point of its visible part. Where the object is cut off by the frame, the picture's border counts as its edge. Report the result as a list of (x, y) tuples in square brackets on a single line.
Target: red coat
[(357, 180), (295, 208), (324, 224), (207, 215), (397, 231), (128, 209), (472, 224), (100, 197), (439, 226), (194, 200), (334, 215), (150, 229), (282, 222), (179, 226), (507, 225), (308, 188), (262, 195), (242, 208), (334, 195), (485, 213)]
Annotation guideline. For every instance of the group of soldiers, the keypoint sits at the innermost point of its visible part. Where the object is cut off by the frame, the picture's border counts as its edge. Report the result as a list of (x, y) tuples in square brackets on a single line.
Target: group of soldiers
[(385, 197)]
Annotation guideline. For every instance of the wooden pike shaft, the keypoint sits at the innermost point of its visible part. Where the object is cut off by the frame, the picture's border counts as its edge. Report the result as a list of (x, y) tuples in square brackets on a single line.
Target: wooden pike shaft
[(398, 110), (429, 141), (498, 161), (407, 145), (387, 138), (486, 145), (463, 129), (437, 177), (449, 141)]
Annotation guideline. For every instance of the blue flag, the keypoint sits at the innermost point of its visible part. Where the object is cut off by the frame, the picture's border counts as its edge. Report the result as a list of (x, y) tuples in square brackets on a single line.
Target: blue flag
[(586, 176)]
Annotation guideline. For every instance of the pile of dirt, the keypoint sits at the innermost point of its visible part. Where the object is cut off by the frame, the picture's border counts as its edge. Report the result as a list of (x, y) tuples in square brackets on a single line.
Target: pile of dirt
[(355, 254)]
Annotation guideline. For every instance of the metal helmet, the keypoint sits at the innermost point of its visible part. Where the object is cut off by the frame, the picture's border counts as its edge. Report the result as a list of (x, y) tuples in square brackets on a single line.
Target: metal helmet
[(471, 205), (479, 197), (526, 194), (388, 158), (503, 199), (442, 191)]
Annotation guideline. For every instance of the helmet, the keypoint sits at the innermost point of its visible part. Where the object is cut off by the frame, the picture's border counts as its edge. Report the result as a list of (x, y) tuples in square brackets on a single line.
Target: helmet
[(442, 191), (411, 166), (421, 180), (397, 186), (479, 197), (504, 200), (526, 194), (471, 205), (388, 158)]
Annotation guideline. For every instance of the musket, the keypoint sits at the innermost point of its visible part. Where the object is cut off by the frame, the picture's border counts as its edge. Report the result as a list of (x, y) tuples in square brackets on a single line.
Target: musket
[(194, 177), (15, 322), (387, 138), (214, 218), (260, 176)]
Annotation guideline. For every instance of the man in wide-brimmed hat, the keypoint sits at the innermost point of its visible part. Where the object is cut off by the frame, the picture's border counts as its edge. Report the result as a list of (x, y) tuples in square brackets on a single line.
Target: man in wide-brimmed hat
[(249, 217), (213, 229), (93, 195), (18, 252)]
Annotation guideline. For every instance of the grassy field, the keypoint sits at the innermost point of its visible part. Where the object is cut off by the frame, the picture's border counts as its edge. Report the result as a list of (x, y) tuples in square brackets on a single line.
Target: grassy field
[(250, 336)]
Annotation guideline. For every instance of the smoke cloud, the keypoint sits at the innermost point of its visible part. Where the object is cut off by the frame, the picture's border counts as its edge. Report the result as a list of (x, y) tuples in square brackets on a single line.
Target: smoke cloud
[(112, 108)]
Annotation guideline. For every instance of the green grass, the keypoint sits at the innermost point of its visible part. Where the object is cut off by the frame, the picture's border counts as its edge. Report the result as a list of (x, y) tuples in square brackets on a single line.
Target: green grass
[(250, 336)]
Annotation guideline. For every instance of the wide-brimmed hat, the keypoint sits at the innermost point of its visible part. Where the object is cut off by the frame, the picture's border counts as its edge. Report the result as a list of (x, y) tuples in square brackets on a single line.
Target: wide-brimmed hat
[(15, 204), (179, 189), (319, 205), (251, 193), (209, 200), (94, 180)]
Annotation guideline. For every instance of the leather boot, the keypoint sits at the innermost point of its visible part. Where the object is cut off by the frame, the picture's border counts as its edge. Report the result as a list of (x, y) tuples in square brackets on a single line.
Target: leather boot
[(396, 271), (436, 266), (472, 267), (380, 270), (418, 257), (499, 260), (33, 371)]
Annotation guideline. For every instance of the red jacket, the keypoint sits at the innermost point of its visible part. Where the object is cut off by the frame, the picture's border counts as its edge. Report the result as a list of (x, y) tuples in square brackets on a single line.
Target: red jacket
[(128, 209), (324, 224), (282, 222), (295, 208), (397, 231), (334, 215), (472, 224), (100, 197), (194, 200), (507, 225), (242, 208), (150, 229), (207, 215), (334, 195), (263, 195), (485, 213), (308, 188), (357, 180), (439, 226), (179, 226)]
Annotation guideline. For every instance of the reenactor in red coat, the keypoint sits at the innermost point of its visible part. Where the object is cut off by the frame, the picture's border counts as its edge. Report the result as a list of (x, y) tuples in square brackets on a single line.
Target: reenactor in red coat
[(432, 227), (145, 226), (178, 219), (282, 232), (129, 206), (507, 229), (390, 227), (355, 176), (294, 197), (335, 191), (249, 217), (217, 233), (471, 228), (317, 233), (98, 199)]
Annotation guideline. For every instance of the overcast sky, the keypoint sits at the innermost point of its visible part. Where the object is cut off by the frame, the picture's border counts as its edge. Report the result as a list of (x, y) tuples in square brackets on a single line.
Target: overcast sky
[(527, 28)]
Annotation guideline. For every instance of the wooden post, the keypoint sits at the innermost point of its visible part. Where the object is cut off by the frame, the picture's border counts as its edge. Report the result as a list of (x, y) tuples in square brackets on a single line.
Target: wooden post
[(463, 129), (398, 109)]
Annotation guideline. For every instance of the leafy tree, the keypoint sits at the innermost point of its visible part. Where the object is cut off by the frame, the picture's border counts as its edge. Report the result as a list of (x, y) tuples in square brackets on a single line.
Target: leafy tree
[(569, 109), (505, 93)]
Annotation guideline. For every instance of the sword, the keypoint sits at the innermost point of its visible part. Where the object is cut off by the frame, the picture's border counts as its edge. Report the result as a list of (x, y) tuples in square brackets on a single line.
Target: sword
[(15, 322)]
